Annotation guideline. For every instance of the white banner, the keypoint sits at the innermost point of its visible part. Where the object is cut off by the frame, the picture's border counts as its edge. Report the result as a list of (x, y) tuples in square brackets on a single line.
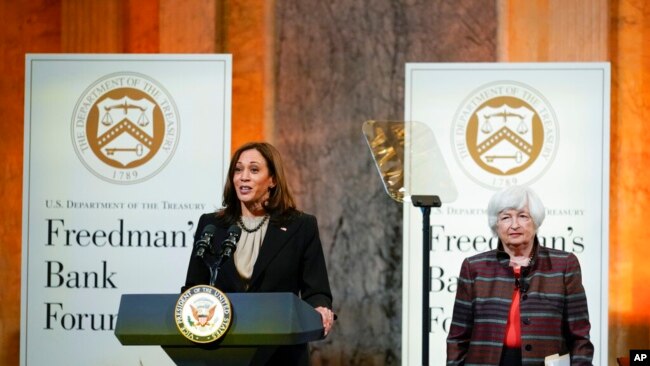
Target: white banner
[(560, 112), (122, 155)]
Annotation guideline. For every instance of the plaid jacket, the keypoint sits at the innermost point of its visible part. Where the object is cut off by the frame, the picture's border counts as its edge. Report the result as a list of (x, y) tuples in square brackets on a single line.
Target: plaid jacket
[(554, 316)]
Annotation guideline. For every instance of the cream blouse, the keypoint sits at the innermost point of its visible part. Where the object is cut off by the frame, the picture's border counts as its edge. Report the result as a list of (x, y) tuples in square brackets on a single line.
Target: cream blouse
[(249, 244)]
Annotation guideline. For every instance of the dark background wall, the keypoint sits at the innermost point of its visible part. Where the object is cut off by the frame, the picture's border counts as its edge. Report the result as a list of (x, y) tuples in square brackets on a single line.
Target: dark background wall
[(306, 74)]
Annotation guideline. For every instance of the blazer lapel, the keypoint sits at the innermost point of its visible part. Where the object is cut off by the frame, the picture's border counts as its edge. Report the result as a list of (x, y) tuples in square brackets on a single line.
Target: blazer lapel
[(275, 239)]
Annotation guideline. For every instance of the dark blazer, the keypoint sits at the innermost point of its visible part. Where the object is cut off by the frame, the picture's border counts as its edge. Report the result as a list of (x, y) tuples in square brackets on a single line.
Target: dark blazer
[(290, 260)]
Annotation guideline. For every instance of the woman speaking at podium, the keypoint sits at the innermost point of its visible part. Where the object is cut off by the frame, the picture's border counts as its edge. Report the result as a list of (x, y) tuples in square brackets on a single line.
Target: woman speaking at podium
[(279, 249)]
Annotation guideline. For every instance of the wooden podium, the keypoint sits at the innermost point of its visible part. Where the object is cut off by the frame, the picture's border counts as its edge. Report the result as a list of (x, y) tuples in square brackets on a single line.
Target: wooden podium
[(261, 322)]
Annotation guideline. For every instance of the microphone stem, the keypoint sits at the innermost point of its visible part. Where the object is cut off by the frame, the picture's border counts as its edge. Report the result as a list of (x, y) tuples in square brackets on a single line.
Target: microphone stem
[(213, 275), (214, 269), (229, 247)]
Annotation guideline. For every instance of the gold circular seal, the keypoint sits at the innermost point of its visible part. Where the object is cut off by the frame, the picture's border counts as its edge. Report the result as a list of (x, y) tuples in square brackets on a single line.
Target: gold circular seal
[(203, 314), (125, 127), (505, 133)]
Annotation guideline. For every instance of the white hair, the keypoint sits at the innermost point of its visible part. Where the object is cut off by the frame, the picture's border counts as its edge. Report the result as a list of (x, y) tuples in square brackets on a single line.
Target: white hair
[(515, 198)]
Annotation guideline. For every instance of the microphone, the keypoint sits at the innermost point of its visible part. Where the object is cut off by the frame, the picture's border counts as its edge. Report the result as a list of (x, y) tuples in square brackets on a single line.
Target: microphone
[(230, 244), (204, 242)]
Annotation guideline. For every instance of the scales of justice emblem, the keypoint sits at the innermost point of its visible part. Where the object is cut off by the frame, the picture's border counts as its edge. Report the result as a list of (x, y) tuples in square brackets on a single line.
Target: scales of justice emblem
[(125, 128), (505, 133), (125, 132), (504, 138)]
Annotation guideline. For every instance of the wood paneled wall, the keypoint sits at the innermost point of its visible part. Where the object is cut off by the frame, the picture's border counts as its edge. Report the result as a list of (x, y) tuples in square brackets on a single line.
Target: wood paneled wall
[(629, 298), (262, 33), (114, 26), (553, 30)]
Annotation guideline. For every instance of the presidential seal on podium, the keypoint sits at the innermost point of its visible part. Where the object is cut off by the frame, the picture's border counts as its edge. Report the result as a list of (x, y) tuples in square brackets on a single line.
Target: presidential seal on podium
[(203, 314)]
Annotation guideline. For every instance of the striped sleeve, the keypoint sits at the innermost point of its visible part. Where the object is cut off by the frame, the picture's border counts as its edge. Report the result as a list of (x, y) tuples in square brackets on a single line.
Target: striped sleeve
[(460, 331), (577, 315)]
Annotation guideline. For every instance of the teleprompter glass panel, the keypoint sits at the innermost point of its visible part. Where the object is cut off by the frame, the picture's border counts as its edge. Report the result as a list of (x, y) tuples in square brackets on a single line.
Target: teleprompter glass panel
[(408, 160)]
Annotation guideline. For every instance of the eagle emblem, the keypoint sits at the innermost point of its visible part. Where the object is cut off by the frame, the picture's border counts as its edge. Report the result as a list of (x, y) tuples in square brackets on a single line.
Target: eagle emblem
[(203, 315)]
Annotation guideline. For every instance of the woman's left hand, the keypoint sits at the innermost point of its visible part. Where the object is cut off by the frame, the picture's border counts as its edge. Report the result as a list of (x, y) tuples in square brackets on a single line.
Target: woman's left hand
[(328, 318)]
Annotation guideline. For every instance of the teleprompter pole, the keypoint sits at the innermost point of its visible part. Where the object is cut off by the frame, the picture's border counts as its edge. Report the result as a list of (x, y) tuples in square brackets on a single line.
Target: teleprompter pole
[(425, 203)]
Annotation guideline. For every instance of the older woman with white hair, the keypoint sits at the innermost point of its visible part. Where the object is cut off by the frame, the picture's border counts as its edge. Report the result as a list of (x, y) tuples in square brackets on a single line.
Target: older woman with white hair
[(522, 301)]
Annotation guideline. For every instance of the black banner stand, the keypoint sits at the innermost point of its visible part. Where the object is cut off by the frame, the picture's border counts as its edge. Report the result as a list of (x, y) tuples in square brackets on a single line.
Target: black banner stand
[(426, 203)]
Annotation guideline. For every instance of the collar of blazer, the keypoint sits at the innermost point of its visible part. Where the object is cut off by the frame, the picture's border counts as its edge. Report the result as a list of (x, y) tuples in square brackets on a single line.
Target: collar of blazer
[(277, 236)]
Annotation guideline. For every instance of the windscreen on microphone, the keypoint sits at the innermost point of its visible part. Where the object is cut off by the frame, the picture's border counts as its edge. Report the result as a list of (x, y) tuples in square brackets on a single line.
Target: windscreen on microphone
[(230, 244), (234, 230), (209, 230), (204, 241)]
